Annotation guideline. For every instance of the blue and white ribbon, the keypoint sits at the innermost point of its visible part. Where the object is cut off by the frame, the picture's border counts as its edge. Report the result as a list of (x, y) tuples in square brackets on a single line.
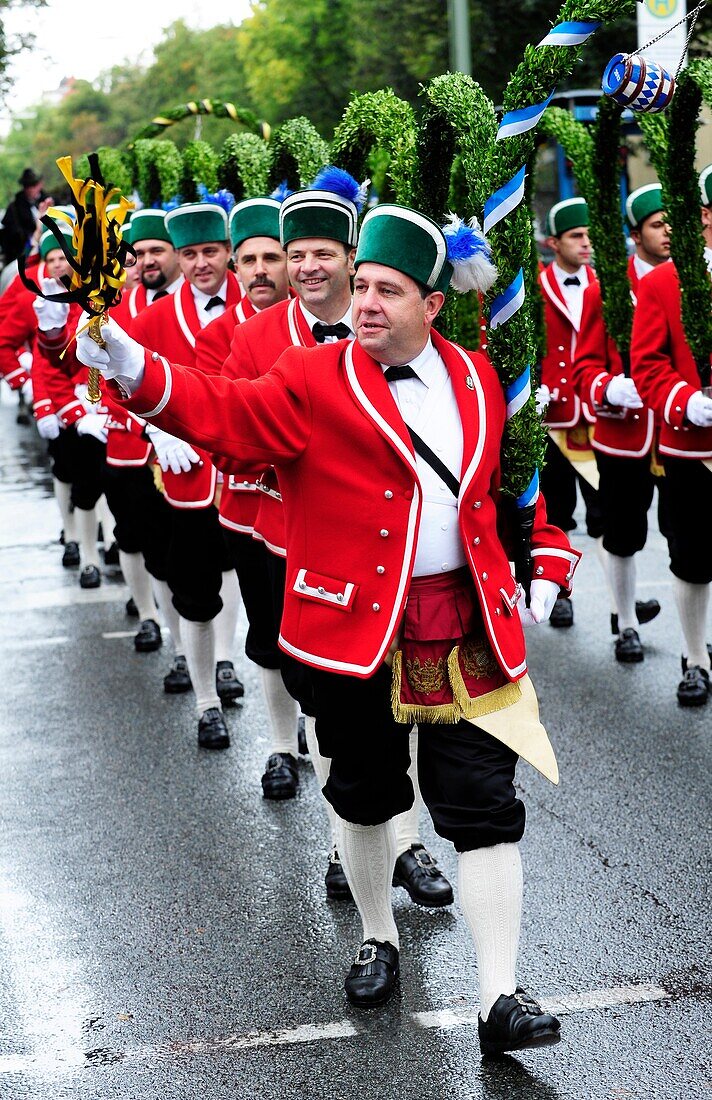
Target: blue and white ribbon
[(569, 34), (504, 201), (521, 121), (531, 492), (506, 304), (518, 392)]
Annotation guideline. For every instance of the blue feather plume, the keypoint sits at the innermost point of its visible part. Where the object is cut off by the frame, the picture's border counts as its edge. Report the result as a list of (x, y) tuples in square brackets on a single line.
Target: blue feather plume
[(282, 191), (340, 183), (470, 255), (172, 204), (223, 197)]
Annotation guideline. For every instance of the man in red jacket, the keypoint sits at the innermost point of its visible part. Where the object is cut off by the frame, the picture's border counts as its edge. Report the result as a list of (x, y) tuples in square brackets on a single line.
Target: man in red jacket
[(624, 431), (678, 390), (387, 451), (563, 284), (197, 561)]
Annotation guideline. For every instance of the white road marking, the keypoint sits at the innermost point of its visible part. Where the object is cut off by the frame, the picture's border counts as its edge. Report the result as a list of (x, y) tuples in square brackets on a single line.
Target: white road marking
[(61, 597), (32, 643), (67, 1059)]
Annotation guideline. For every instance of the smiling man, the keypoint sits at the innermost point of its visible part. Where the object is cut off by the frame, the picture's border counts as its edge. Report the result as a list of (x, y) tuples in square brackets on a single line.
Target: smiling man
[(388, 452)]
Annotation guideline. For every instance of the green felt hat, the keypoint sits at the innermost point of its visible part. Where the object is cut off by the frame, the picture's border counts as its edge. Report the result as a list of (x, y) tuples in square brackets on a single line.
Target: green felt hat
[(565, 215), (146, 225), (254, 218), (706, 186), (643, 202), (316, 213), (196, 223), (48, 241), (399, 237)]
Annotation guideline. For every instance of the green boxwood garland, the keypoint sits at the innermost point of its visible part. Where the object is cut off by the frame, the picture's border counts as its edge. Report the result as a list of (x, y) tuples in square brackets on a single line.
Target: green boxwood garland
[(240, 115), (379, 121), (243, 166), (159, 168), (200, 165), (115, 168), (298, 153)]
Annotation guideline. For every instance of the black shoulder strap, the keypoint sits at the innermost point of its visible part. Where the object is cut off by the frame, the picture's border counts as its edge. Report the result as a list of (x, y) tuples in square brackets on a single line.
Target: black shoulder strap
[(445, 475)]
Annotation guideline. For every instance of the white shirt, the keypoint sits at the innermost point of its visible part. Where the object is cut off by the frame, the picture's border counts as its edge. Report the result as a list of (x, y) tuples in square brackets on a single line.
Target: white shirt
[(427, 404), (708, 258), (573, 295), (170, 289), (205, 316), (311, 320), (642, 267)]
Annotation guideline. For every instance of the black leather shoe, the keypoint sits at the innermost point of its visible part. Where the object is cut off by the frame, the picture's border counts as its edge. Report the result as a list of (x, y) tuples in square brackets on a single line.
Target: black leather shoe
[(694, 688), (281, 778), (337, 887), (70, 557), (370, 980), (563, 613), (683, 660), (628, 647), (111, 555), (131, 609), (177, 680), (645, 612), (90, 577), (212, 731), (302, 736), (517, 1023), (418, 873), (148, 637), (227, 685)]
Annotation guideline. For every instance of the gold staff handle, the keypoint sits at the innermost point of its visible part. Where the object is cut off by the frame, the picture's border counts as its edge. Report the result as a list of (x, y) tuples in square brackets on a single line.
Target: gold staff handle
[(93, 389)]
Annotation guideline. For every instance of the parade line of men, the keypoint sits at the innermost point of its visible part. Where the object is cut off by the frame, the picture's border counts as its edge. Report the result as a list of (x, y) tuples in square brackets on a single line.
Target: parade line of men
[(326, 454)]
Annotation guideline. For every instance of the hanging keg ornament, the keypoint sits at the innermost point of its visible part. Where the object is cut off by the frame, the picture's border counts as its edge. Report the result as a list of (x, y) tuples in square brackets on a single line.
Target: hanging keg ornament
[(641, 84)]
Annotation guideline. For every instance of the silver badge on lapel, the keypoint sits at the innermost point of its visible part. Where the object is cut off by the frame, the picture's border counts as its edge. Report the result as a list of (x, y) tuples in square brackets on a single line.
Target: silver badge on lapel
[(470, 382)]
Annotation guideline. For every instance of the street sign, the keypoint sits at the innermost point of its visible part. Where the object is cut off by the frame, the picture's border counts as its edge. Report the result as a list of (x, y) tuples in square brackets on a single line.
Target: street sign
[(655, 17)]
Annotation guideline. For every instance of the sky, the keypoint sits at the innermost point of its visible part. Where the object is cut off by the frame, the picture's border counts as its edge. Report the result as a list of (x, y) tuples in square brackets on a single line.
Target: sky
[(129, 31)]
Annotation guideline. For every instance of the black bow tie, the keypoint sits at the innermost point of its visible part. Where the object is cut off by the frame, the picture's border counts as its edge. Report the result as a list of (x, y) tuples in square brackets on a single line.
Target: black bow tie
[(159, 294), (320, 332), (394, 374), (216, 300), (573, 280)]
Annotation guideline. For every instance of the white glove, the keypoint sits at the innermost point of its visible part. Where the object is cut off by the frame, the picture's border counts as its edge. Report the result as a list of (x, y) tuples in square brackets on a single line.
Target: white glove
[(172, 453), (121, 358), (25, 360), (621, 391), (49, 426), (93, 424), (699, 410), (51, 315), (543, 397), (543, 596), (26, 387)]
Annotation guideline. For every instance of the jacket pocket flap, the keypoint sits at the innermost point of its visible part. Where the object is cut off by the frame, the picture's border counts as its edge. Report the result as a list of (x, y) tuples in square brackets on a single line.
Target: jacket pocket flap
[(315, 586)]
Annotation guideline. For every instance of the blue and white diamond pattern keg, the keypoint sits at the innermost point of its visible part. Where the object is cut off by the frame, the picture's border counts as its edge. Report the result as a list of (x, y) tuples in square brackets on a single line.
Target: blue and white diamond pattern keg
[(637, 82)]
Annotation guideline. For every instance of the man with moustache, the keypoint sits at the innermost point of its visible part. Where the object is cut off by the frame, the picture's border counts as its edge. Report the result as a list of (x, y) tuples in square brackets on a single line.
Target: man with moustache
[(381, 563)]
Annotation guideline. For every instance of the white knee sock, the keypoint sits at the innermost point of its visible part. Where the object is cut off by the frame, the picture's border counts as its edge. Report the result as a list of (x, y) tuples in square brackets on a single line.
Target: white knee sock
[(283, 713), (105, 517), (490, 884), (692, 603), (138, 580), (321, 765), (621, 572), (368, 855), (199, 644), (164, 599), (63, 495), (226, 620), (86, 535), (407, 824), (603, 557)]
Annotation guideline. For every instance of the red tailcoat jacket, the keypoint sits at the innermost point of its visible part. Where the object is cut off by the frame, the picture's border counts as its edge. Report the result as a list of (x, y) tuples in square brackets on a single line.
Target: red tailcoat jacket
[(595, 362), (35, 269), (18, 329), (171, 327), (663, 366), (326, 418), (565, 408), (240, 499)]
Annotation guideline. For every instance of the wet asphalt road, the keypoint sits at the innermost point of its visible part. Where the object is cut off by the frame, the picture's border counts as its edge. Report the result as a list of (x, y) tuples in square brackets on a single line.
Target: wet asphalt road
[(164, 931)]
